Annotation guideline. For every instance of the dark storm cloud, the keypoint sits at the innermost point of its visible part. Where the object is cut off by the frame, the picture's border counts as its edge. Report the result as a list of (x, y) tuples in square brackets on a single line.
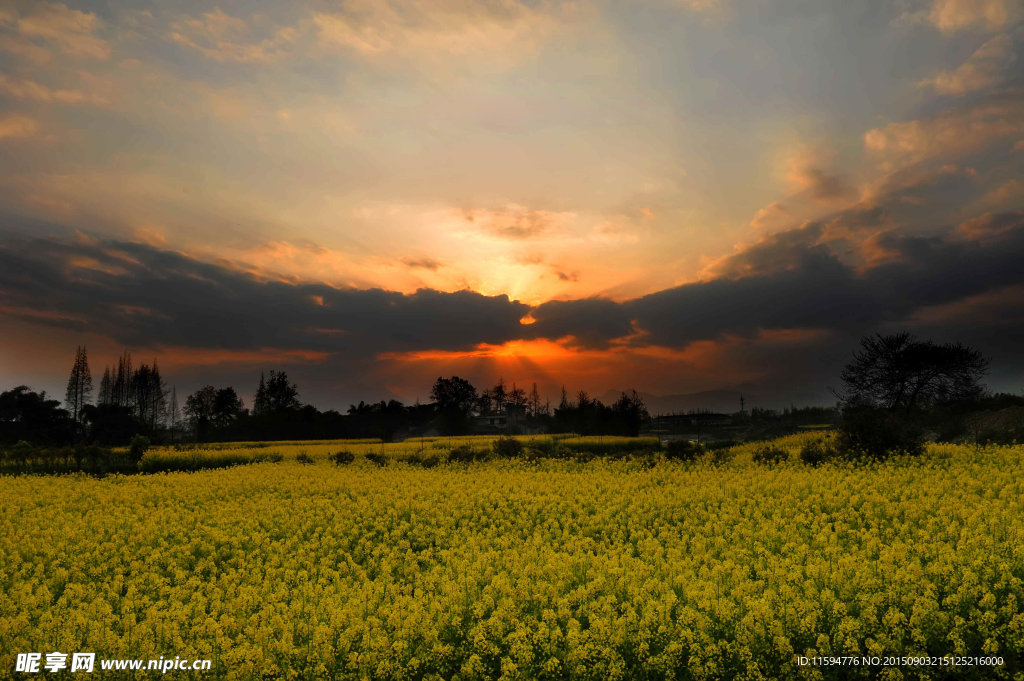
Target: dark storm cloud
[(797, 284), (141, 296)]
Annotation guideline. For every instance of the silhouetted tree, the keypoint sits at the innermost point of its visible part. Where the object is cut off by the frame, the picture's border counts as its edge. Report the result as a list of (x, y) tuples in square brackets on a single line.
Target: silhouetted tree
[(79, 389), (121, 384), (453, 398), (564, 403), (517, 396), (282, 396), (261, 405), (899, 372), (227, 407), (499, 395), (173, 414), (198, 410), (632, 412), (30, 416), (534, 401), (148, 396), (106, 395), (453, 393)]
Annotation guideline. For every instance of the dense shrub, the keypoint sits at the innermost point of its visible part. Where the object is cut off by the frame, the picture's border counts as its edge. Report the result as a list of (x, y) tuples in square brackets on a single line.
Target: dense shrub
[(586, 448), (1002, 427), (139, 445), (507, 447), (424, 460), (817, 452), (466, 454), (304, 457), (543, 449), (720, 457), (377, 458), (878, 434), (682, 450), (770, 454), (343, 457), (26, 458)]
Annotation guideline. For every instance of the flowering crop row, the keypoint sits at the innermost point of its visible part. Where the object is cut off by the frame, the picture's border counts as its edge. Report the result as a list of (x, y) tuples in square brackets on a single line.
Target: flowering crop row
[(515, 570)]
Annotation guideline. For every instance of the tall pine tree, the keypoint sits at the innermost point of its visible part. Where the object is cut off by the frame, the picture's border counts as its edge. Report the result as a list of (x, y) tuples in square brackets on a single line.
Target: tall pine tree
[(79, 385)]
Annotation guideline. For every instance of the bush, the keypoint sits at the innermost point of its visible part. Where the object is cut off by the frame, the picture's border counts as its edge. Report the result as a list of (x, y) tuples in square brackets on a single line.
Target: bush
[(817, 452), (507, 447), (1003, 427), (682, 450), (543, 449), (21, 452), (138, 447), (615, 447), (425, 460), (770, 454), (342, 458), (379, 459), (875, 433), (466, 454), (304, 457), (720, 457)]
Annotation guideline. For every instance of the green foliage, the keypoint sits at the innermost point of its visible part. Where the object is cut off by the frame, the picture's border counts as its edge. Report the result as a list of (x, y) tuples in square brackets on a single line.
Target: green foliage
[(878, 434), (817, 452), (343, 457), (139, 445), (770, 454), (423, 460), (507, 447), (682, 450), (166, 459), (546, 448), (465, 453), (722, 456), (587, 448), (381, 460), (304, 457)]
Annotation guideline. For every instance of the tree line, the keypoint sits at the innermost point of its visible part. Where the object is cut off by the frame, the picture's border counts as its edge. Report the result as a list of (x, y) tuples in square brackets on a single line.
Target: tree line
[(894, 387), (136, 400)]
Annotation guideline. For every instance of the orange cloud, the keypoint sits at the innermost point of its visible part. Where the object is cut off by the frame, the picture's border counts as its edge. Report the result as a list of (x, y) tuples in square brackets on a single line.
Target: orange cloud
[(225, 38), (953, 15), (174, 358), (978, 72), (374, 29), (70, 30), (699, 365), (953, 133), (993, 307), (25, 49), (18, 126), (516, 222), (1005, 192), (31, 90)]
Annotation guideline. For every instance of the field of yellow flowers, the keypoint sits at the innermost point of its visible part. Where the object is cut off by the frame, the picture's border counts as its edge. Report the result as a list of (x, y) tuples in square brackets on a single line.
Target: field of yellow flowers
[(511, 569)]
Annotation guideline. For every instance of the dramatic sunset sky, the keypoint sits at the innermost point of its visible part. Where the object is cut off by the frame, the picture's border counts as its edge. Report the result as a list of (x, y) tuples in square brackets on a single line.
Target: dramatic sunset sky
[(667, 195)]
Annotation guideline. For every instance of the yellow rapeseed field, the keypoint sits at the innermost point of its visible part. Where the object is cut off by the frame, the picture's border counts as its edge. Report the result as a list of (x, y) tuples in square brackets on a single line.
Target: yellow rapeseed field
[(553, 569)]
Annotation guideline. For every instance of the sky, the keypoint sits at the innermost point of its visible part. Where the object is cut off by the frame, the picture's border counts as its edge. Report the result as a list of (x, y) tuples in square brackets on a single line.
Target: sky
[(670, 196)]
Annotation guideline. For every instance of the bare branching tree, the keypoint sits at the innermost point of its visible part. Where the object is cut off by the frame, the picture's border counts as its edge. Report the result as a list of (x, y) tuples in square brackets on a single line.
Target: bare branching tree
[(900, 373)]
